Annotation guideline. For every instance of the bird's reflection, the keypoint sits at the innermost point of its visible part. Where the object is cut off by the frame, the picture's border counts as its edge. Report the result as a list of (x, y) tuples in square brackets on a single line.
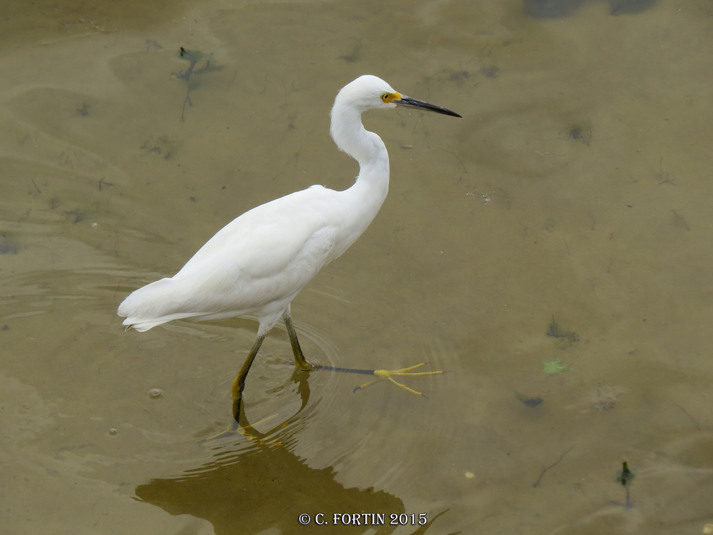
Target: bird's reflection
[(240, 421), (249, 488)]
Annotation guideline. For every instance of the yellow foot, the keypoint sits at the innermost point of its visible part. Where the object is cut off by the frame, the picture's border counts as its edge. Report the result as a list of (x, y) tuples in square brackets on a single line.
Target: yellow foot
[(388, 375), (304, 365)]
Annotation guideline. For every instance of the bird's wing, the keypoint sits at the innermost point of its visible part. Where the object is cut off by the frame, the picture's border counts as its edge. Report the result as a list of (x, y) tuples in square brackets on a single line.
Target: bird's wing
[(266, 254), (255, 264), (265, 240)]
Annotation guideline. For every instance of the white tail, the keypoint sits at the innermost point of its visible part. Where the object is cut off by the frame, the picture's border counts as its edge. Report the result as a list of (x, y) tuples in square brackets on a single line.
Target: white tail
[(154, 304)]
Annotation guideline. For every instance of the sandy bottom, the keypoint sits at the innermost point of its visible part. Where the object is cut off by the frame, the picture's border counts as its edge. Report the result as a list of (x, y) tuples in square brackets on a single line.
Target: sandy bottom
[(551, 250)]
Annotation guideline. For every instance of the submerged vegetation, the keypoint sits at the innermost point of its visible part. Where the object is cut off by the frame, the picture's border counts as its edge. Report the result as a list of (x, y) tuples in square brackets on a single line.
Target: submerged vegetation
[(556, 331), (625, 476), (199, 63), (9, 244), (554, 366)]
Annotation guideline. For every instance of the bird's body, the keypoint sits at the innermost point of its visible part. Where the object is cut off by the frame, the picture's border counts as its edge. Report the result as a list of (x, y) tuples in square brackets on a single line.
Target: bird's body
[(258, 263), (254, 265)]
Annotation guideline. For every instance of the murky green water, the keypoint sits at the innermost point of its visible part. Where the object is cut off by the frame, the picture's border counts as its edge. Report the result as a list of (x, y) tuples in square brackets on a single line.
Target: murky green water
[(576, 187)]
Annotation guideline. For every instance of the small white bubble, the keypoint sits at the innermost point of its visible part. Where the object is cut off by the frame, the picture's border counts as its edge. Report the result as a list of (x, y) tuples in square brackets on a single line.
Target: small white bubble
[(113, 431), (469, 475), (155, 393)]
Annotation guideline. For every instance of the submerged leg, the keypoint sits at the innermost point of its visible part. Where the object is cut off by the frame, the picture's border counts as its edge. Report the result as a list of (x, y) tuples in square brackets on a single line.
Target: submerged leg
[(383, 375), (388, 375), (300, 360), (239, 382)]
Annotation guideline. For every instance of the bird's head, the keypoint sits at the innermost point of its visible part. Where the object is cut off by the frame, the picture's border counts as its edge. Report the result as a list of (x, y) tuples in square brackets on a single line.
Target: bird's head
[(370, 92)]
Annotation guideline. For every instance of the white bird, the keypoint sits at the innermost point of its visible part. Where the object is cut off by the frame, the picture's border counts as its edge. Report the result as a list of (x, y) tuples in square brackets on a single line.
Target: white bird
[(258, 262)]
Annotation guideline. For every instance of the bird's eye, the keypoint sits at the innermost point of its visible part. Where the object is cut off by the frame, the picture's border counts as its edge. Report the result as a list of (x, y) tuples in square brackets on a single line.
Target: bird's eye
[(387, 97)]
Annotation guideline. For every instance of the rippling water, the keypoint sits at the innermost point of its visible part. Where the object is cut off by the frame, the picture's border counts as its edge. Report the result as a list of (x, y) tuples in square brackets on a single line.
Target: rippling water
[(564, 220)]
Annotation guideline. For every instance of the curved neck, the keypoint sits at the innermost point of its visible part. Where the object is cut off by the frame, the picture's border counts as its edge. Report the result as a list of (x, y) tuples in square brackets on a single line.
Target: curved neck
[(365, 147), (364, 198)]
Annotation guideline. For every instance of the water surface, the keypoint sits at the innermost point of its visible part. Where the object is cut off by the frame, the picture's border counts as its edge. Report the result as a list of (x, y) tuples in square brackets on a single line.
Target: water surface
[(566, 216)]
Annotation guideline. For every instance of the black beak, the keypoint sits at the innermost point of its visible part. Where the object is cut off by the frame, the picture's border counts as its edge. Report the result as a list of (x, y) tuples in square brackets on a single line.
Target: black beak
[(408, 102)]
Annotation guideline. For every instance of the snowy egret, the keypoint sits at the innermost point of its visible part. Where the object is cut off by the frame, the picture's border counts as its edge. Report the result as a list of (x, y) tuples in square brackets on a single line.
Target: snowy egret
[(260, 261)]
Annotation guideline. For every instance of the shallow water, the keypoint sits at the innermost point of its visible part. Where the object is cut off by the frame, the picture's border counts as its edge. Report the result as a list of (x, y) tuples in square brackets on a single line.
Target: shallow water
[(574, 190)]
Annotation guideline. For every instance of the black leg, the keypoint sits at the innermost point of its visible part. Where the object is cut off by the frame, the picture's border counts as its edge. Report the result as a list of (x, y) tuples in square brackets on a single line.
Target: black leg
[(239, 382), (300, 360)]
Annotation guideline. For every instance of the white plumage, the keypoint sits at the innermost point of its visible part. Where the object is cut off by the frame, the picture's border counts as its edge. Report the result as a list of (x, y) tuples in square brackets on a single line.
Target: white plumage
[(258, 262)]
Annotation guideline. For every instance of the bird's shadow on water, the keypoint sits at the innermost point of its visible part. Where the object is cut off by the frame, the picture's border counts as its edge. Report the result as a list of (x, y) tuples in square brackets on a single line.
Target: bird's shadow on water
[(254, 482)]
